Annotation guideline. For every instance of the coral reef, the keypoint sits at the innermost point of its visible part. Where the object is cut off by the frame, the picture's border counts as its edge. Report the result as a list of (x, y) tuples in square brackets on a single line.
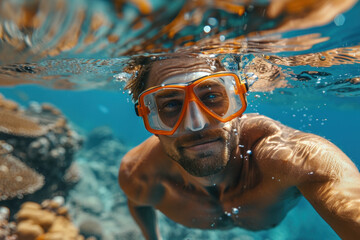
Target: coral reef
[(37, 148), (97, 199), (48, 221)]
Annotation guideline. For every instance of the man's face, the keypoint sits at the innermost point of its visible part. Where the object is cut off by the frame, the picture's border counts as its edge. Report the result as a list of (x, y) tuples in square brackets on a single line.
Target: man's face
[(205, 149)]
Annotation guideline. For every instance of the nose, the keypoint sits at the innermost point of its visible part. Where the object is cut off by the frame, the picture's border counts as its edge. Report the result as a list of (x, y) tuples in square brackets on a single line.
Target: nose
[(194, 118)]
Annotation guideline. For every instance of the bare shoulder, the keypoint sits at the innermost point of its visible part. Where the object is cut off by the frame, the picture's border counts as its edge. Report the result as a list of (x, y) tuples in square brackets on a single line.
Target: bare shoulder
[(290, 154), (254, 127), (138, 170)]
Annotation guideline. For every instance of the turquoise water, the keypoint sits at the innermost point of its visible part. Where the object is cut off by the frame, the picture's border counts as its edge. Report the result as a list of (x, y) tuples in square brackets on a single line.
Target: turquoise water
[(325, 104)]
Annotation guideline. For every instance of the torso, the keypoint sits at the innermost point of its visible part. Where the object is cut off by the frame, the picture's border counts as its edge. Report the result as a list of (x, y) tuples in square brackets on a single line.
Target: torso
[(260, 205), (253, 209), (258, 201)]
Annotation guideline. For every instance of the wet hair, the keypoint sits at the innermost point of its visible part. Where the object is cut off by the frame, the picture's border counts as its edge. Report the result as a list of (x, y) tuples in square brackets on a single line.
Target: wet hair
[(140, 66)]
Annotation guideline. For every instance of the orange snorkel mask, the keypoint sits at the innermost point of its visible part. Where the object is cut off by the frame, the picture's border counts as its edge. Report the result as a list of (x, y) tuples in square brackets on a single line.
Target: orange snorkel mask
[(221, 95)]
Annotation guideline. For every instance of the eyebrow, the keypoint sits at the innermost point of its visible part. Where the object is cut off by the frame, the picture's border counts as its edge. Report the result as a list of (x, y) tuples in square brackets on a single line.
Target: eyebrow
[(212, 83), (168, 94)]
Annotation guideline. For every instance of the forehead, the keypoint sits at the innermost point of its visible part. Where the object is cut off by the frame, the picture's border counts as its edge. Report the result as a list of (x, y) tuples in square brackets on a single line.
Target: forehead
[(179, 70)]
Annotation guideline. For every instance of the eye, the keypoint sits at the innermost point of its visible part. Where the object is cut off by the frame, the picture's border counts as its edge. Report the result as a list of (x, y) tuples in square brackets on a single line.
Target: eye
[(170, 106), (211, 97)]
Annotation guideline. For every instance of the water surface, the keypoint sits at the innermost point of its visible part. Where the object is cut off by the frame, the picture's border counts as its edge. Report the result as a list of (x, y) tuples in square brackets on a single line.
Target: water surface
[(302, 64)]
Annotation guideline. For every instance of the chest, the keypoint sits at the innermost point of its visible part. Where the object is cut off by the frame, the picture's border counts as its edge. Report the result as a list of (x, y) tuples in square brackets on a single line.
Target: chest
[(259, 208)]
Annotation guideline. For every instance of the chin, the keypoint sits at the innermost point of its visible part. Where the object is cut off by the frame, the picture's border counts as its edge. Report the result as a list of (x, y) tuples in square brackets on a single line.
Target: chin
[(204, 172), (203, 166)]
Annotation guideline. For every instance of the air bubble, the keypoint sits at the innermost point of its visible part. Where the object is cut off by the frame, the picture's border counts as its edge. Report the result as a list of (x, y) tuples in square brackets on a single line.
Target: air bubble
[(235, 210), (339, 20), (322, 58), (212, 21), (207, 29), (122, 77)]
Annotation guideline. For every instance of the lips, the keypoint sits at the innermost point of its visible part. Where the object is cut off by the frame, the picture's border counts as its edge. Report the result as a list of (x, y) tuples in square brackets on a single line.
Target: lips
[(201, 144)]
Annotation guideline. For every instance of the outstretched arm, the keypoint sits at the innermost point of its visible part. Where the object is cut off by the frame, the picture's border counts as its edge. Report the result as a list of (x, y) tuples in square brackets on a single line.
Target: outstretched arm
[(334, 191), (143, 191), (338, 203), (145, 217)]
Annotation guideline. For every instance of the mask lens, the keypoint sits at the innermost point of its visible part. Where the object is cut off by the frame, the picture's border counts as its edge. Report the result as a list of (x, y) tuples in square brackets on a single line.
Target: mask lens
[(218, 95), (165, 107)]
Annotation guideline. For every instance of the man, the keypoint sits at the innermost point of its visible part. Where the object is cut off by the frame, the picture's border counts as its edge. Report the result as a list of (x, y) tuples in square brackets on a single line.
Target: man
[(210, 167)]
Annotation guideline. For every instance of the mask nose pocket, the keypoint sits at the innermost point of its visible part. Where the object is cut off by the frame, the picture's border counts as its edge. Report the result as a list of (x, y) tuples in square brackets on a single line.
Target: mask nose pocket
[(194, 118)]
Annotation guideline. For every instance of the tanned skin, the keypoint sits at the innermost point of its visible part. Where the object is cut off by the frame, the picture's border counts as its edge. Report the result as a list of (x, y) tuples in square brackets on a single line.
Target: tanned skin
[(253, 163)]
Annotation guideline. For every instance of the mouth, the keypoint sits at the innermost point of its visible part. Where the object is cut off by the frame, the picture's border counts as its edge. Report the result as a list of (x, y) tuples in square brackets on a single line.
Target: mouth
[(201, 145)]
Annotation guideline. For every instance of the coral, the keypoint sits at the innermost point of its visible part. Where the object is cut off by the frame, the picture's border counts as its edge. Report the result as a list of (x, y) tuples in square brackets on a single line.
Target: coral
[(27, 230), (7, 229), (19, 125), (99, 135), (102, 144), (72, 174), (44, 222), (40, 137), (47, 116), (5, 148), (8, 104), (91, 227), (33, 211), (17, 179)]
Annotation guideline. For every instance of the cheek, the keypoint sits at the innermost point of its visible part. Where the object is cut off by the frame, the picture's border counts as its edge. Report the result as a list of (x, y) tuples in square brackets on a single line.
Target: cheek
[(230, 127), (232, 133), (166, 142)]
